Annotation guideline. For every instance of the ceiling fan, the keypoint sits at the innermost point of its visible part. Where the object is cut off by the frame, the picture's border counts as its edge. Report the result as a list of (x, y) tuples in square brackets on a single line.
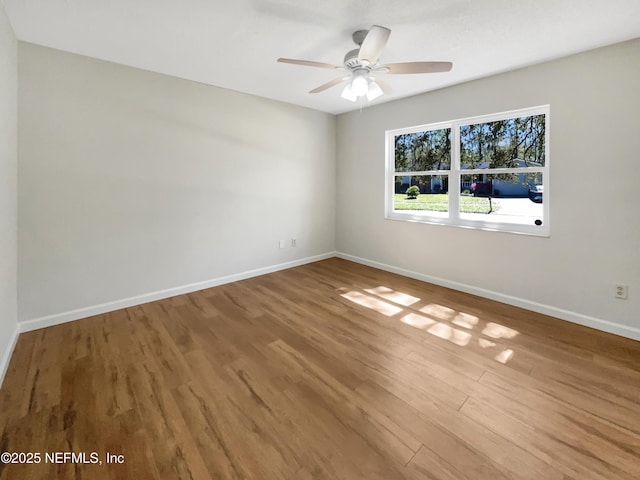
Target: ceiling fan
[(362, 66)]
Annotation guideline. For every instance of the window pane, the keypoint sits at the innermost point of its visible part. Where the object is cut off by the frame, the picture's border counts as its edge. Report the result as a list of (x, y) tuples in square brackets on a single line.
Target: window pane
[(423, 151), (515, 198), (509, 143), (422, 193)]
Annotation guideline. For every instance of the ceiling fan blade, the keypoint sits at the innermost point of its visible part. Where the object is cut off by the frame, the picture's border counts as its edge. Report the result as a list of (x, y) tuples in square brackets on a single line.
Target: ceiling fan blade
[(418, 67), (309, 63), (373, 44), (328, 85)]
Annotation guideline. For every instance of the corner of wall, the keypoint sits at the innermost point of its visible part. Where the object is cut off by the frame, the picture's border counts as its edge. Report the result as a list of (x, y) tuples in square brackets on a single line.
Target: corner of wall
[(8, 191), (8, 352)]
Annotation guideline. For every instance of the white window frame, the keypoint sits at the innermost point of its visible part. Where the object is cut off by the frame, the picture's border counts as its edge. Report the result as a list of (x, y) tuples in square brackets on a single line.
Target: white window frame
[(453, 216)]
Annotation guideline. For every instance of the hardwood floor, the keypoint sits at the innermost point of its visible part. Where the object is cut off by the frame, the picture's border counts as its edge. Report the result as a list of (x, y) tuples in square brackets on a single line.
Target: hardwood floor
[(332, 370)]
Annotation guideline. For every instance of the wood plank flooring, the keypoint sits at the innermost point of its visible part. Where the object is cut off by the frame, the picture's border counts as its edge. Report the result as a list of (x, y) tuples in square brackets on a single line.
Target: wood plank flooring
[(332, 370)]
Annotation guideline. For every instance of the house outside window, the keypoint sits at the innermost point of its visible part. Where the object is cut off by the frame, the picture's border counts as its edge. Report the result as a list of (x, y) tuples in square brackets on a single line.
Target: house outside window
[(489, 172)]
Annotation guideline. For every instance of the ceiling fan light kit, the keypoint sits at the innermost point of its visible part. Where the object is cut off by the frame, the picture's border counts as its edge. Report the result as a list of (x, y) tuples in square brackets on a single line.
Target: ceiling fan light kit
[(361, 85), (360, 82), (374, 90), (363, 61), (348, 94)]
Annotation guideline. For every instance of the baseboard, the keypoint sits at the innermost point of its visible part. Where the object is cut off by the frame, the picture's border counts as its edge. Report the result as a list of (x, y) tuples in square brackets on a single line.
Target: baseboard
[(69, 316), (580, 319), (6, 356)]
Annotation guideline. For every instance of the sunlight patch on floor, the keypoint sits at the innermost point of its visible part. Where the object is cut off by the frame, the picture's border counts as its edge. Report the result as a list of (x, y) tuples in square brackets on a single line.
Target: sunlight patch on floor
[(439, 311), (447, 332), (440, 330), (484, 343), (465, 320), (504, 356), (495, 330), (430, 322), (417, 321), (372, 303), (392, 295)]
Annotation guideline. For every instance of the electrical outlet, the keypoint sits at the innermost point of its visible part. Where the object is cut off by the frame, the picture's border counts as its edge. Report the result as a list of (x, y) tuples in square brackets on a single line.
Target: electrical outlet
[(281, 243), (294, 242), (622, 291)]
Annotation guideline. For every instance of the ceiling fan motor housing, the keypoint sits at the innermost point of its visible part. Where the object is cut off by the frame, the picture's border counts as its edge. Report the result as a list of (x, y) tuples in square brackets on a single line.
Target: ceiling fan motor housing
[(351, 59)]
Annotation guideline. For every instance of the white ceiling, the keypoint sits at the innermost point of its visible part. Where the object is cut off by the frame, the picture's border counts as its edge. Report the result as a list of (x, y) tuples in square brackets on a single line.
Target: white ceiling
[(234, 43)]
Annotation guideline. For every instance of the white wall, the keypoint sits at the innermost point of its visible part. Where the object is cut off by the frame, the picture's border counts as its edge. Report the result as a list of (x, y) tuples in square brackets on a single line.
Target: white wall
[(594, 180), (8, 190), (132, 182)]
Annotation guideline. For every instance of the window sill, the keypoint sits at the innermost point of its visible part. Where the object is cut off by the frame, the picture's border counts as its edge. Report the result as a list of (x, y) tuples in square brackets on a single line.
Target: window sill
[(495, 225)]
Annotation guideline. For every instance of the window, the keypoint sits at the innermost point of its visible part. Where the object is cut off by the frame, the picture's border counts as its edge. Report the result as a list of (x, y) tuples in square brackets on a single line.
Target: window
[(488, 172)]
